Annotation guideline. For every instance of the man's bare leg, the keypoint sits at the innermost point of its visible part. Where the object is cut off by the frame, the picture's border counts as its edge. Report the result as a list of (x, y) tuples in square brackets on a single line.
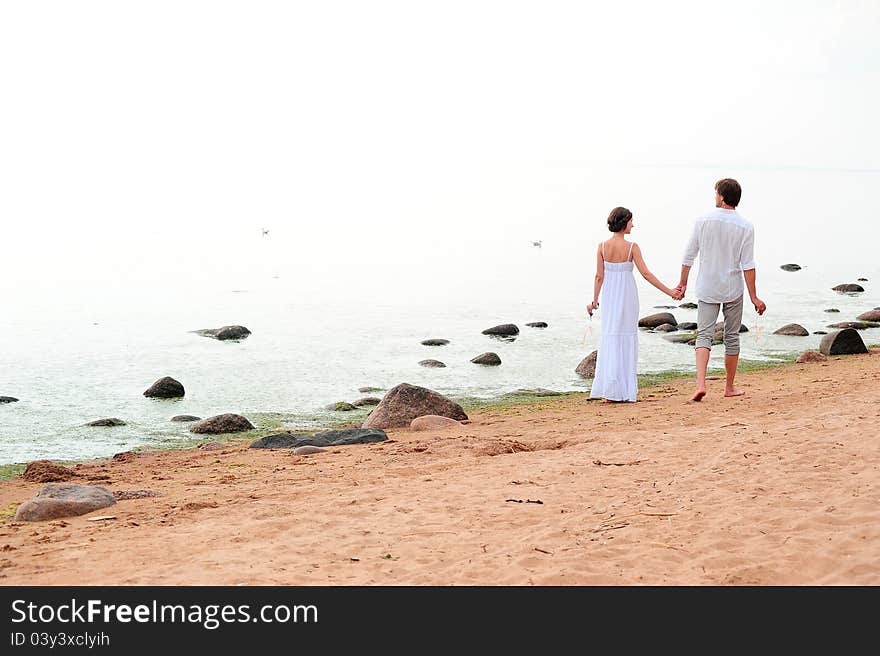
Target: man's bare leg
[(730, 362), (702, 366)]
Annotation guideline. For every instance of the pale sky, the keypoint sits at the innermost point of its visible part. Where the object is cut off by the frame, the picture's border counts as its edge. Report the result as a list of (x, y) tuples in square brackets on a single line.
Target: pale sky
[(165, 135)]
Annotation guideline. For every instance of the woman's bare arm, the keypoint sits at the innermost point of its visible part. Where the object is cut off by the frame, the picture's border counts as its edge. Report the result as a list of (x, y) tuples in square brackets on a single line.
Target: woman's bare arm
[(647, 275), (597, 284)]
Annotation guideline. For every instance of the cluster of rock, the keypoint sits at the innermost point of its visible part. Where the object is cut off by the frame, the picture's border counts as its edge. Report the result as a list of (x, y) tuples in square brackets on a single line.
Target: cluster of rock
[(506, 332)]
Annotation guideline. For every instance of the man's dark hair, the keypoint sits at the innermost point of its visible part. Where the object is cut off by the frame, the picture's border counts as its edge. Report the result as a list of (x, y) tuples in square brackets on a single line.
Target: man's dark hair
[(618, 219), (730, 191)]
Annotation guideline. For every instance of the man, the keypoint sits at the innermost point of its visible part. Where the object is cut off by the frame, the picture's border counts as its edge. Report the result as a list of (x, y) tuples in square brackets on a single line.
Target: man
[(725, 242)]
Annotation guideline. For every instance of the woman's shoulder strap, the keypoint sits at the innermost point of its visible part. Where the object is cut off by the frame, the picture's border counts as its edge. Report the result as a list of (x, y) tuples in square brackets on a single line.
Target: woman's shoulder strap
[(629, 256)]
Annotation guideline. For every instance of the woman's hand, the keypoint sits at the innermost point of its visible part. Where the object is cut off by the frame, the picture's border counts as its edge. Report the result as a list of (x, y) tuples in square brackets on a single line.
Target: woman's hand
[(592, 306), (677, 294)]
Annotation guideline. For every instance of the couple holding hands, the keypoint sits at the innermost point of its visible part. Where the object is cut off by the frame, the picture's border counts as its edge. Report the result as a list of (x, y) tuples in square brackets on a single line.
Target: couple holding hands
[(725, 242)]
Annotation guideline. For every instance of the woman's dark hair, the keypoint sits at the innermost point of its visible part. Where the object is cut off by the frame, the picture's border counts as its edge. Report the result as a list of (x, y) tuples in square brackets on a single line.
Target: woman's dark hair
[(618, 219), (730, 191)]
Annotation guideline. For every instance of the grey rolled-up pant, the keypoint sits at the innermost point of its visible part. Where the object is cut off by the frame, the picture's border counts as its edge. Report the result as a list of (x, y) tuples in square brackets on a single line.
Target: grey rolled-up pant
[(707, 315)]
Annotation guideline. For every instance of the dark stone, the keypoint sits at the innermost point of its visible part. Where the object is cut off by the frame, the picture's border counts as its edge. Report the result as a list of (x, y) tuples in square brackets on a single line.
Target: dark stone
[(405, 402), (842, 342), (112, 421), (870, 315), (64, 500), (790, 267), (793, 329), (225, 333), (848, 288), (832, 310), (683, 338), (687, 325), (665, 307), (490, 359), (278, 441), (505, 329), (225, 423), (435, 342), (654, 320), (8, 399), (165, 388), (367, 400), (340, 406), (587, 366), (341, 437), (688, 306), (431, 363), (863, 280), (666, 328), (537, 324), (367, 390), (719, 327), (857, 325), (820, 332), (186, 418)]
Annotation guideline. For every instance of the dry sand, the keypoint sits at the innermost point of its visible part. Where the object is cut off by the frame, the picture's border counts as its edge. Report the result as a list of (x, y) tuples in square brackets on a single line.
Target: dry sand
[(777, 487)]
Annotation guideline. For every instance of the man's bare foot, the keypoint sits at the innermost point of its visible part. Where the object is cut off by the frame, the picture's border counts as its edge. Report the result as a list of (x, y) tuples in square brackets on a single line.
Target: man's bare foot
[(734, 392), (699, 395)]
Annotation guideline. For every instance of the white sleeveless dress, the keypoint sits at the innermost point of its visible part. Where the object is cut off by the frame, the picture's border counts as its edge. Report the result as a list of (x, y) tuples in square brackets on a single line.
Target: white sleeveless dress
[(617, 360)]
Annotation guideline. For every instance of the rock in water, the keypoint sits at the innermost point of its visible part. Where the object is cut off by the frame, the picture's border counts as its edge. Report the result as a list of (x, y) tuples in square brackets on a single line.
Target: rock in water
[(185, 418), (683, 338), (367, 390), (793, 329), (870, 315), (842, 342), (367, 400), (832, 310), (340, 406), (587, 366), (812, 356), (64, 500), (405, 402), (857, 325), (165, 388), (820, 332), (687, 325), (863, 280), (226, 423), (658, 319), (688, 306), (505, 330), (537, 324), (432, 363), (435, 342), (489, 359), (111, 421), (225, 333), (848, 288), (433, 422), (8, 399), (666, 328), (790, 267)]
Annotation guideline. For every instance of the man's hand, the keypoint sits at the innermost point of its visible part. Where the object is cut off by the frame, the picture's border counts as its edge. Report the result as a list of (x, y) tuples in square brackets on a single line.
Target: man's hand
[(682, 288), (760, 306)]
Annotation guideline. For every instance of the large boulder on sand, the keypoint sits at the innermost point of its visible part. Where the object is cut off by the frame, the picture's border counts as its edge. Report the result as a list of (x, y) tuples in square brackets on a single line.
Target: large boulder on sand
[(870, 315), (654, 320), (793, 329), (848, 288), (811, 356), (165, 388), (324, 439), (226, 423), (842, 342), (405, 402), (433, 422), (64, 500), (587, 366), (504, 330)]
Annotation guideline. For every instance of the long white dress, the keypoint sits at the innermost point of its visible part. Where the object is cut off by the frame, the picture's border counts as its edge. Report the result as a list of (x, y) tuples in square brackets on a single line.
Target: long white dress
[(618, 356)]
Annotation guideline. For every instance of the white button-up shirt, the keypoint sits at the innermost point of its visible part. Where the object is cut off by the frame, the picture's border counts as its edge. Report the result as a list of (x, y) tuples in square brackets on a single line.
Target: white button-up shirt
[(725, 242)]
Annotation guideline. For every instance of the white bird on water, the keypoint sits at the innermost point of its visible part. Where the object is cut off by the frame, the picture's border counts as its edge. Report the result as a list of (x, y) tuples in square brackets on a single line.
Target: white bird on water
[(536, 244)]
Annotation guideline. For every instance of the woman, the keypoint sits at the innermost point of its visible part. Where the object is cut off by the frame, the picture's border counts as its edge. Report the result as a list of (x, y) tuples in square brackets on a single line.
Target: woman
[(615, 378)]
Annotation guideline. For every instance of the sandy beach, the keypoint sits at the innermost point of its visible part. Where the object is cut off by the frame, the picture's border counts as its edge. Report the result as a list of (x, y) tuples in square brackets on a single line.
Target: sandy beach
[(778, 487)]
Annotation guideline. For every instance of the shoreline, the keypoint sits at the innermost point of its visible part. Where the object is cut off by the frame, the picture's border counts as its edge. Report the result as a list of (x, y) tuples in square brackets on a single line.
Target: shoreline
[(314, 424), (778, 487)]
